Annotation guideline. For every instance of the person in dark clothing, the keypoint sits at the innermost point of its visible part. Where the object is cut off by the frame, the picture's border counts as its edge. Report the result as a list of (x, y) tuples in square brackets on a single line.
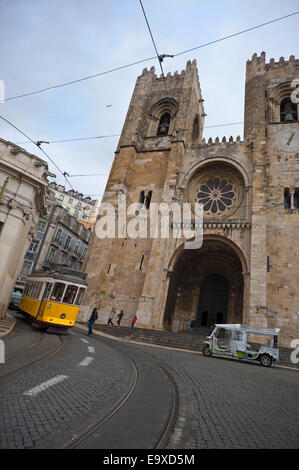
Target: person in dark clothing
[(119, 317), (192, 326), (212, 327), (94, 316)]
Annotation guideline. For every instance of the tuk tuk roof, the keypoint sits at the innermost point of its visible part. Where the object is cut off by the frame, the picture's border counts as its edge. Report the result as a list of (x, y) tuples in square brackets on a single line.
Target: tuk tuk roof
[(249, 329)]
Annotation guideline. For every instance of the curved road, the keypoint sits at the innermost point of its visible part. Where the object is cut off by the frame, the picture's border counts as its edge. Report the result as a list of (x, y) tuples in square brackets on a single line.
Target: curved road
[(55, 398)]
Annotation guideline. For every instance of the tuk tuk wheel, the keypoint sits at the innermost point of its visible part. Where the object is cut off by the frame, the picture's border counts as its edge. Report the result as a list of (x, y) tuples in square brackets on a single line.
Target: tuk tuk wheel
[(265, 360), (207, 350)]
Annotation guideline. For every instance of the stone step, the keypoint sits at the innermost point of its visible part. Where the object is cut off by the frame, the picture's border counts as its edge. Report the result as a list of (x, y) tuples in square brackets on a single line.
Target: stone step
[(151, 337), (182, 340), (124, 329)]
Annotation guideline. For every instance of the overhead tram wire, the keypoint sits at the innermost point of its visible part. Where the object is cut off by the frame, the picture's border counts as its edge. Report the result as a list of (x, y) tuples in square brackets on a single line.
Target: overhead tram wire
[(77, 138), (38, 146), (92, 174), (236, 34), (159, 57), (78, 80), (224, 125), (118, 135), (148, 59)]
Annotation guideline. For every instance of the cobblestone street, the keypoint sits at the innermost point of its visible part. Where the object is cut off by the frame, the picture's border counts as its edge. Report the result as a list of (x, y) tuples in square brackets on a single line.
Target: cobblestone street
[(87, 391), (222, 404), (230, 405)]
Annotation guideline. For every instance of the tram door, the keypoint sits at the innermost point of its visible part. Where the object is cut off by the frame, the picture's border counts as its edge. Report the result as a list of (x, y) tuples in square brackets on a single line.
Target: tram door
[(213, 297)]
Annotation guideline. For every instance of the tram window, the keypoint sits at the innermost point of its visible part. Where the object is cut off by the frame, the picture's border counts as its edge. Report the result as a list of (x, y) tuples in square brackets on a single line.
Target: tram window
[(38, 289), (80, 296), (28, 288), (34, 289), (34, 285), (47, 290), (57, 292), (70, 293), (31, 289)]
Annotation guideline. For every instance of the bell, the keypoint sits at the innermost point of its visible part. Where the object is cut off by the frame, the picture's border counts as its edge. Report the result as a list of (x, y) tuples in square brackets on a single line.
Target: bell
[(163, 130), (289, 117), (288, 113)]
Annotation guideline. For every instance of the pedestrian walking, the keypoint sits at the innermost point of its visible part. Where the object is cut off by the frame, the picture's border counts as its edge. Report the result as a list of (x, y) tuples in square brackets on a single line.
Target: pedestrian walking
[(192, 326), (119, 317), (110, 318), (212, 327), (94, 316), (133, 322)]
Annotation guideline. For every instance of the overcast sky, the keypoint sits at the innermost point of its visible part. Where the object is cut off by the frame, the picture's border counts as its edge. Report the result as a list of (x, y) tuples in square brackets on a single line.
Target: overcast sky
[(48, 42)]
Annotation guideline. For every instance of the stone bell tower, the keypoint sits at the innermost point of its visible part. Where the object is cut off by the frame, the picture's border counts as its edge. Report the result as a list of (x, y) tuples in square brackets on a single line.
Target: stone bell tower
[(164, 119), (272, 140)]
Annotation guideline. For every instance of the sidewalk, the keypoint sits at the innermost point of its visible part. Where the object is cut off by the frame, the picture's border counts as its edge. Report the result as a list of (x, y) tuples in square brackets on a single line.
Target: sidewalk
[(184, 342), (6, 325)]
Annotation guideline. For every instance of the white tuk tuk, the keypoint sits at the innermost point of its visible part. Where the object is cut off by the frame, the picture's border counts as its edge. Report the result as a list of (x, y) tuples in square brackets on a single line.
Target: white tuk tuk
[(244, 342)]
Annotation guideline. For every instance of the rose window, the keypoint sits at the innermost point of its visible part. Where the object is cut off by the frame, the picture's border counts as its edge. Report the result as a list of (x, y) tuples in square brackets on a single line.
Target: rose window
[(217, 195)]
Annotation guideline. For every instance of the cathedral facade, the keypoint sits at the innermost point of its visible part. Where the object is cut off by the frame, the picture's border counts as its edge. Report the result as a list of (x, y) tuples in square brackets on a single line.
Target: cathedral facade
[(247, 269)]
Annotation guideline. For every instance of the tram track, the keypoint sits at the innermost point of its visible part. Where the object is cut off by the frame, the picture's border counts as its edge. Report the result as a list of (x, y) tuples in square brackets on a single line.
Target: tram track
[(164, 437), (97, 424), (35, 361), (129, 398), (30, 347)]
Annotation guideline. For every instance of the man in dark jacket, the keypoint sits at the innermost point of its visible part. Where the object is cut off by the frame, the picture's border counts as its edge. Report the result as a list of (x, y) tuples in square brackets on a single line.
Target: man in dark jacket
[(94, 316), (119, 316), (192, 326)]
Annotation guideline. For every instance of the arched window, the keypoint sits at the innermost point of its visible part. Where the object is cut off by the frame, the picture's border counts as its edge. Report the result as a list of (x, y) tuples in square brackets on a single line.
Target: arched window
[(291, 198), (288, 110), (148, 199), (164, 124), (195, 131), (287, 199), (141, 197)]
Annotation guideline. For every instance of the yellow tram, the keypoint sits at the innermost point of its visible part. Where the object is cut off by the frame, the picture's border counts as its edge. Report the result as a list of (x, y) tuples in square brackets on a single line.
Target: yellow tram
[(52, 298)]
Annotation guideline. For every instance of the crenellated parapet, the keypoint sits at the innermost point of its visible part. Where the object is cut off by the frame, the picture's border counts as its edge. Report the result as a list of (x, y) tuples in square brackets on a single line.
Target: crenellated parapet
[(190, 67), (224, 141), (171, 79), (258, 66), (282, 62)]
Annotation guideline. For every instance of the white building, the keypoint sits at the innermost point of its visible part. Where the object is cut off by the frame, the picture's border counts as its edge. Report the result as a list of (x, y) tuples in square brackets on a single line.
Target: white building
[(23, 190), (84, 208)]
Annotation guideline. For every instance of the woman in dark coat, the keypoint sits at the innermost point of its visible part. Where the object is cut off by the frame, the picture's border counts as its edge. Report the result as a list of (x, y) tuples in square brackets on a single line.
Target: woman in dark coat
[(94, 316), (119, 317)]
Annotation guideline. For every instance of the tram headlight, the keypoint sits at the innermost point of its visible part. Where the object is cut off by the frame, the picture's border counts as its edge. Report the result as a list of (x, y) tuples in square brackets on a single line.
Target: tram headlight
[(63, 316)]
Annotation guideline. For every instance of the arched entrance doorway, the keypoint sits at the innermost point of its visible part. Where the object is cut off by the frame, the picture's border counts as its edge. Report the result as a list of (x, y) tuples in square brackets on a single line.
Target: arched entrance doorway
[(213, 300), (207, 285)]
